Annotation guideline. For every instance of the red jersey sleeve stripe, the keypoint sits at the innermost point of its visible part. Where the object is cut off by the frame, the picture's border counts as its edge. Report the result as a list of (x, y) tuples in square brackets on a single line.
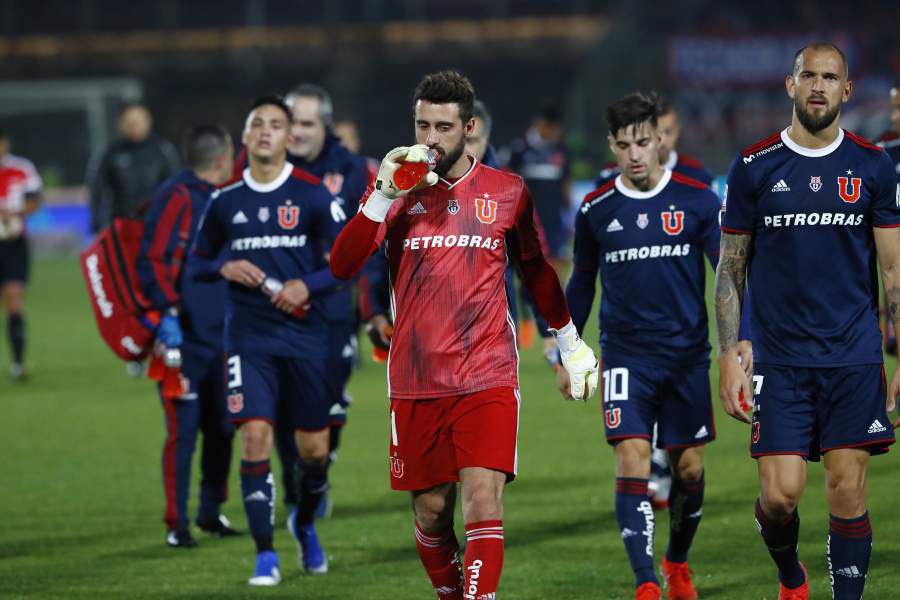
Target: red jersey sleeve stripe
[(761, 144), (688, 181), (735, 231), (306, 176), (861, 141), (166, 229), (601, 190), (888, 226)]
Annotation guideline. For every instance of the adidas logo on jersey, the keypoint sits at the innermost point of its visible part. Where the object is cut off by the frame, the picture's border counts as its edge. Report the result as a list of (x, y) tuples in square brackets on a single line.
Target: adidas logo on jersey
[(852, 572), (239, 217), (418, 209), (701, 433), (781, 186), (257, 496), (614, 226), (627, 533), (876, 427)]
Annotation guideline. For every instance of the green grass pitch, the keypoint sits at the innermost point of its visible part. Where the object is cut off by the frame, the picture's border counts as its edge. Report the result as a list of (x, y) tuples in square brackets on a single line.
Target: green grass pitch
[(82, 500)]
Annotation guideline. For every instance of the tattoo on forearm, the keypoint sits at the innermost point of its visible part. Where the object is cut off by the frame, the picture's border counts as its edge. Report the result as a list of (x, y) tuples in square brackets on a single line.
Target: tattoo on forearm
[(892, 292), (731, 276)]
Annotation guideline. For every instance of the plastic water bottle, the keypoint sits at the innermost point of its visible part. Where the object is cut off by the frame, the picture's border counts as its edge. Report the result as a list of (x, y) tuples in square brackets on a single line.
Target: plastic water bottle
[(409, 174), (271, 287)]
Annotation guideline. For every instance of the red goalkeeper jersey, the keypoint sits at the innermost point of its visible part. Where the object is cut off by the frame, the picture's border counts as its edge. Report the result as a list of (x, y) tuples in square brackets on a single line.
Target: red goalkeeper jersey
[(447, 247)]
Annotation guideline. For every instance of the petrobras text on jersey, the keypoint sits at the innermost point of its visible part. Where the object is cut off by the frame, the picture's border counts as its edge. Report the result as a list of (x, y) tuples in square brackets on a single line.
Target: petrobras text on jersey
[(449, 241), (661, 251), (797, 219), (268, 241)]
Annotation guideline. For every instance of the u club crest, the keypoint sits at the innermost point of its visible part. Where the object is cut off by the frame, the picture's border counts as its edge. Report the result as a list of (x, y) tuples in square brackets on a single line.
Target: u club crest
[(453, 206), (815, 183), (288, 215), (613, 417), (486, 209), (672, 221), (849, 188)]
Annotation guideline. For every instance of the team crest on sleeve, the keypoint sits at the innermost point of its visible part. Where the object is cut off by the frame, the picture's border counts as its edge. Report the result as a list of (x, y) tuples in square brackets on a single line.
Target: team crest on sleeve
[(334, 182), (613, 417), (815, 182), (288, 215), (486, 209), (643, 220), (453, 206), (263, 214), (849, 188), (672, 221)]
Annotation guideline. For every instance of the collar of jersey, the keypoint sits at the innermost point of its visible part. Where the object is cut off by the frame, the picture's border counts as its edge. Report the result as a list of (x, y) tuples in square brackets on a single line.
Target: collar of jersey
[(812, 152), (666, 176), (272, 185), (449, 185), (671, 161)]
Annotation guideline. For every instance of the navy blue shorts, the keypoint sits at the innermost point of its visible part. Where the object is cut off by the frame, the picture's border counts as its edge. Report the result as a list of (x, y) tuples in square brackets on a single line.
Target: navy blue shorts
[(342, 354), (14, 260), (257, 383), (637, 395), (809, 411)]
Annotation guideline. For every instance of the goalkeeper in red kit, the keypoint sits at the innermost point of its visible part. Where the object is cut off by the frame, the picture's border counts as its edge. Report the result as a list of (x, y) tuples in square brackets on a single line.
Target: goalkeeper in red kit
[(453, 365)]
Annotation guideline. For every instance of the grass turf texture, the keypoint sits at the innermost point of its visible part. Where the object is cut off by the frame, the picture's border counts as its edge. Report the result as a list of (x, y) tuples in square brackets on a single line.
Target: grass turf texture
[(82, 496)]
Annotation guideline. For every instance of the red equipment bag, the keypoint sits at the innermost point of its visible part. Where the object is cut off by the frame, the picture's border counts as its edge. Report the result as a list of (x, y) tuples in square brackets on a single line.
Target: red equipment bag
[(124, 319)]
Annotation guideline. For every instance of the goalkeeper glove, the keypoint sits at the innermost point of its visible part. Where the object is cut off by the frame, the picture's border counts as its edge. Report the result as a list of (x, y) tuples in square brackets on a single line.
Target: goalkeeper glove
[(169, 330), (379, 201), (578, 360)]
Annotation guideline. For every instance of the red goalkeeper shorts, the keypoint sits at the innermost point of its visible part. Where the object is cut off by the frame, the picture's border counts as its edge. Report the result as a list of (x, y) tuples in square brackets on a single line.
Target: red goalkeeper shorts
[(431, 440)]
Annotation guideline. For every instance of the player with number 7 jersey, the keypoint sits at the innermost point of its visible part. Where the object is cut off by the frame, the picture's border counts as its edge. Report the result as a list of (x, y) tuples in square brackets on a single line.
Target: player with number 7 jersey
[(453, 363)]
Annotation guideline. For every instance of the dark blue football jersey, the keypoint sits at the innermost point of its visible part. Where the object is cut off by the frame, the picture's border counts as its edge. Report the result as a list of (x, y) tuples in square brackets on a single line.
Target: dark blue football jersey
[(280, 227), (648, 248), (812, 268)]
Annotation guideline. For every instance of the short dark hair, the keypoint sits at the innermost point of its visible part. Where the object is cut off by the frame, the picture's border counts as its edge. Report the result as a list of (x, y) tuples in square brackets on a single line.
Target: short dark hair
[(272, 100), (480, 111), (664, 104), (550, 113), (445, 87), (310, 90), (632, 110), (129, 104), (820, 46), (203, 144)]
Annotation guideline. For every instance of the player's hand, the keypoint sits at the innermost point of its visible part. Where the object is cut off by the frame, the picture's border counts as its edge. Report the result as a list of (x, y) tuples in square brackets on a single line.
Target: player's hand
[(579, 360), (169, 331), (293, 295), (745, 356), (563, 383), (893, 392), (380, 331), (734, 386), (391, 162), (243, 272)]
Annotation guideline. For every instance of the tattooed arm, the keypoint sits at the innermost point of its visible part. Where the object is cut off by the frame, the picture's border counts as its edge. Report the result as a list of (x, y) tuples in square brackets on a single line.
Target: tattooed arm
[(731, 275), (887, 243)]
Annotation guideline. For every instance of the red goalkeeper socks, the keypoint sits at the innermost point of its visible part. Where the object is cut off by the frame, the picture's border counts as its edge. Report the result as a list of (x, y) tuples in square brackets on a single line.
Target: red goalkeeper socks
[(440, 557), (483, 559)]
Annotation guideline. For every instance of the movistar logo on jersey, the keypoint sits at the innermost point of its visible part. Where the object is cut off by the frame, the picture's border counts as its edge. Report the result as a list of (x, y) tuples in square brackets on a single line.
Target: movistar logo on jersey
[(643, 252), (798, 219), (261, 242), (764, 151), (449, 241)]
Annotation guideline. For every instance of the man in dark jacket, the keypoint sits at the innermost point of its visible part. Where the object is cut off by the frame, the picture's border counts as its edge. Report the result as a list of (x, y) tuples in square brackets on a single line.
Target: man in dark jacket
[(122, 180)]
